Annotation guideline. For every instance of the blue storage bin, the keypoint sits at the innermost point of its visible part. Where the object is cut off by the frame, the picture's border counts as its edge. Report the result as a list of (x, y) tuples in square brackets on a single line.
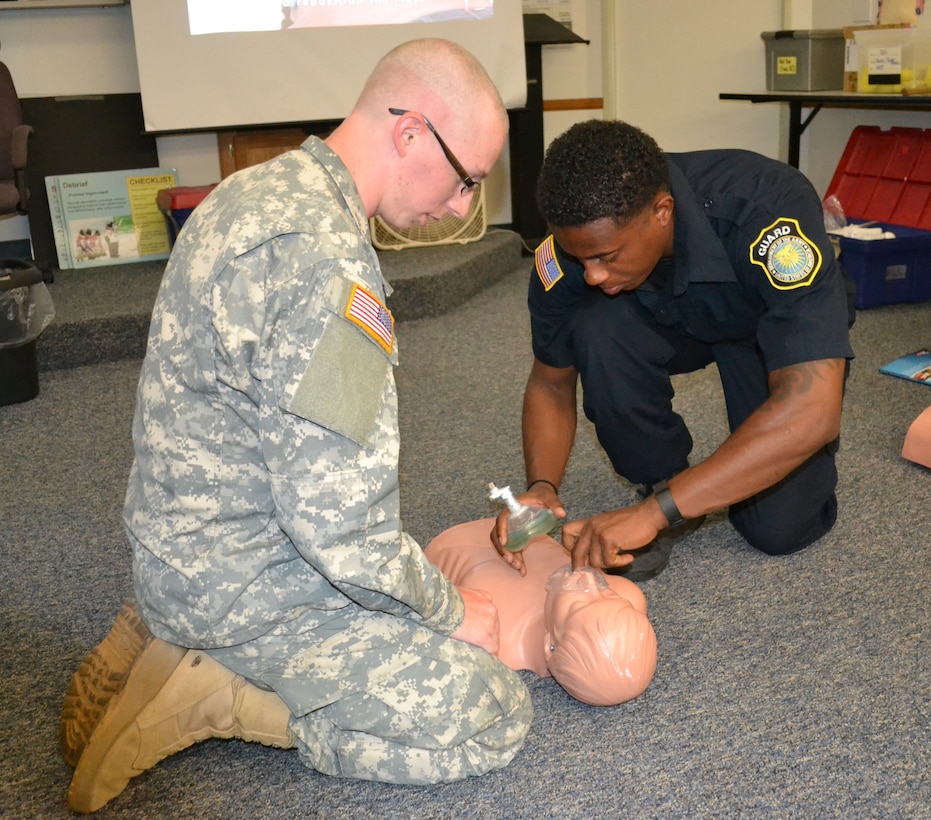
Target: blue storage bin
[(888, 271), (884, 178)]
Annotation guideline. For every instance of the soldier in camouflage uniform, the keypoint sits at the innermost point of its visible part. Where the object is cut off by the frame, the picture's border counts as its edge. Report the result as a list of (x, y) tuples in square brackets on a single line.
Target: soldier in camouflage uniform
[(277, 597)]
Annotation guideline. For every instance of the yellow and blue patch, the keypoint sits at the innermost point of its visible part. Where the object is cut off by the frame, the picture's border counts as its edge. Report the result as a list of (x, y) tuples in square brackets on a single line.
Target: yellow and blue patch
[(547, 264), (790, 259)]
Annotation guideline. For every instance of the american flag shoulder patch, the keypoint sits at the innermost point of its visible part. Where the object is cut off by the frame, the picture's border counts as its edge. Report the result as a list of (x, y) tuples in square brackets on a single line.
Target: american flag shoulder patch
[(365, 310), (547, 265)]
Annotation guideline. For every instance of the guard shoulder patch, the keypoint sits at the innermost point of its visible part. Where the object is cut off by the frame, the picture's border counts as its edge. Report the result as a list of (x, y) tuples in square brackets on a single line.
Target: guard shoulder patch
[(790, 259), (547, 264), (366, 310)]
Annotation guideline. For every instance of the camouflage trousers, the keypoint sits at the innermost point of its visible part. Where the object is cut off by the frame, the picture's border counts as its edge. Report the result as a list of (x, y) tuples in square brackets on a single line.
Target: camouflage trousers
[(378, 697)]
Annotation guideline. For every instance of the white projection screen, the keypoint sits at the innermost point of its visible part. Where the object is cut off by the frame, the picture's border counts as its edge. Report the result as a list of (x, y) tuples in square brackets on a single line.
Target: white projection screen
[(276, 62)]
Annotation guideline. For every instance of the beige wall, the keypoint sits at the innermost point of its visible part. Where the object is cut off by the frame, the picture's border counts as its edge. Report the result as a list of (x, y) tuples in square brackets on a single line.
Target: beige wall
[(660, 66), (55, 52), (675, 58), (824, 140), (665, 65)]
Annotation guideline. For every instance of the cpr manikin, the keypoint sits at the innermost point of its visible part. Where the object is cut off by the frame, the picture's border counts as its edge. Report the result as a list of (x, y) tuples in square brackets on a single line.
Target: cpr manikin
[(917, 446), (586, 629)]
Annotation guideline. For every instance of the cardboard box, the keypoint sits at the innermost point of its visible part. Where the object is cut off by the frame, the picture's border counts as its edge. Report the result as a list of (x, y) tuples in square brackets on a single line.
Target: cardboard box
[(893, 61), (883, 178), (804, 60), (851, 61)]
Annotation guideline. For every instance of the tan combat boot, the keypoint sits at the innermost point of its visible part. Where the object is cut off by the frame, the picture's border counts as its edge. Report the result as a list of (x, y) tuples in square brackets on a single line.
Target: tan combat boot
[(99, 677), (168, 699)]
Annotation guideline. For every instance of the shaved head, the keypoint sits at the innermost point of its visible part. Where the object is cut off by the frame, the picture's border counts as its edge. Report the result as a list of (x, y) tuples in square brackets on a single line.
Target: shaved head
[(435, 75), (391, 142)]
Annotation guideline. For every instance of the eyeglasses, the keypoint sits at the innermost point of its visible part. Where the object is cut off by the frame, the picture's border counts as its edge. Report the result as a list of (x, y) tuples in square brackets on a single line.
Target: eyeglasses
[(469, 183)]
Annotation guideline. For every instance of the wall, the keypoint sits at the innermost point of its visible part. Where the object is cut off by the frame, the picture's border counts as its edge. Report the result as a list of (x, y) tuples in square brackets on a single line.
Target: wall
[(666, 66), (58, 52), (574, 72), (824, 140), (90, 51), (670, 67), (675, 58), (64, 52)]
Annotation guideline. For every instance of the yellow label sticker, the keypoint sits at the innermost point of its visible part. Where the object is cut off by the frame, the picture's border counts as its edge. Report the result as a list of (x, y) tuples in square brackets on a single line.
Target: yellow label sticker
[(787, 65)]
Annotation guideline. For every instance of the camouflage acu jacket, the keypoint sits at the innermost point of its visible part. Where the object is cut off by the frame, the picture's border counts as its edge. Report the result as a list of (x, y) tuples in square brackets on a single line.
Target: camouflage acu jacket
[(264, 488)]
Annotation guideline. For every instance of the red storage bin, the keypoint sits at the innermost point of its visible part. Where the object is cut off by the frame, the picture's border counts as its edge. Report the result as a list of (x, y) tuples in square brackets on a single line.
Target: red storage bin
[(885, 177), (178, 203)]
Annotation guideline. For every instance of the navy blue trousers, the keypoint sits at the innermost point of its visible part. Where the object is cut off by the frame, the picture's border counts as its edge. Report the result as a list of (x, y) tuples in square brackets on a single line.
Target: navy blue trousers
[(625, 359)]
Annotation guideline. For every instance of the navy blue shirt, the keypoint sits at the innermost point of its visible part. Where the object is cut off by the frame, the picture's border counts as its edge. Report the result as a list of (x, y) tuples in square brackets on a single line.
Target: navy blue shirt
[(751, 260)]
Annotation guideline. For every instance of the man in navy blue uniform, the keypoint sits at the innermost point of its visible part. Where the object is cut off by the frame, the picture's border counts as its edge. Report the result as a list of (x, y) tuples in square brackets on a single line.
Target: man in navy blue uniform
[(659, 264)]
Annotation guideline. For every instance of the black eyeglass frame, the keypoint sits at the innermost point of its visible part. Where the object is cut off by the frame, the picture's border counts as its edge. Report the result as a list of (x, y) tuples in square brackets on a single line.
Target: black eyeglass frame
[(467, 180)]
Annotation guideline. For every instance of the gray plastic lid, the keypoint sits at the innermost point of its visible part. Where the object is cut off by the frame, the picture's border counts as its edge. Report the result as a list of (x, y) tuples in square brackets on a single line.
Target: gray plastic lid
[(15, 273), (804, 34)]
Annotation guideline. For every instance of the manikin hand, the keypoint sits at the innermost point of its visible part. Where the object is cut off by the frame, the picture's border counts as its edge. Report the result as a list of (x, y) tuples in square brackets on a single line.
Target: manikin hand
[(604, 540), (540, 495), (480, 624)]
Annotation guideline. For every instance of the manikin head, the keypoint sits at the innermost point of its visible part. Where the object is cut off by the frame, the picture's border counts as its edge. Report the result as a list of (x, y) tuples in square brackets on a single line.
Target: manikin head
[(598, 647), (593, 637)]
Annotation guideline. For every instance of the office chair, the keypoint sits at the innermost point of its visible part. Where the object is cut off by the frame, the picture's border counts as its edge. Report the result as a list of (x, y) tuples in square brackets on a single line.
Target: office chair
[(14, 135)]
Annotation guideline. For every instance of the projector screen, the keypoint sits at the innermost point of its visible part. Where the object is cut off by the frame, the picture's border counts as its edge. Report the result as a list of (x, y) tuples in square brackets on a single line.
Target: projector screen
[(211, 64)]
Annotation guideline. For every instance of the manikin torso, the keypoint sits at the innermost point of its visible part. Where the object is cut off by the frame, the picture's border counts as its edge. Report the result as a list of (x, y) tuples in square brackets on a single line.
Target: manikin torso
[(533, 622)]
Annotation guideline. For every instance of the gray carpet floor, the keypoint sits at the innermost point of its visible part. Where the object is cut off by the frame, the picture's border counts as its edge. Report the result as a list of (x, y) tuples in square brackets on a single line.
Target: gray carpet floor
[(786, 687)]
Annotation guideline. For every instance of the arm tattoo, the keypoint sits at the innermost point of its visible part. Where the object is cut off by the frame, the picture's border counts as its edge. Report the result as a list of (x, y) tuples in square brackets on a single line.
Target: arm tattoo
[(800, 379)]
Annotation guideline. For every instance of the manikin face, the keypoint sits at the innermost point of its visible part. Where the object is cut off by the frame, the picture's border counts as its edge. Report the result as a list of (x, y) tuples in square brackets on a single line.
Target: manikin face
[(572, 599), (599, 648), (620, 257)]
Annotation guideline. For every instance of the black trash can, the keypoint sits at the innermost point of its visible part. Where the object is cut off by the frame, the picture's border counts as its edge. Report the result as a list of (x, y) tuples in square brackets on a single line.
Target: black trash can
[(25, 311)]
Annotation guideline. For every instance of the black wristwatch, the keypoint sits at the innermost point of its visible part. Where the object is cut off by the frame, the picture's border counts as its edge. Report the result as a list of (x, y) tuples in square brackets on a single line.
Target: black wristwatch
[(667, 504)]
